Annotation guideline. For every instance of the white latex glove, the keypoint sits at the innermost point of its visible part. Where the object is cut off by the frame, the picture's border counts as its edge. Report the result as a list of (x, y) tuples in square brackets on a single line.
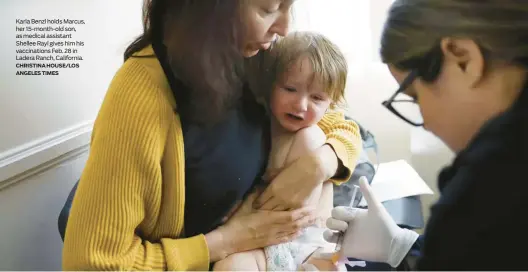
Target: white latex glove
[(370, 235)]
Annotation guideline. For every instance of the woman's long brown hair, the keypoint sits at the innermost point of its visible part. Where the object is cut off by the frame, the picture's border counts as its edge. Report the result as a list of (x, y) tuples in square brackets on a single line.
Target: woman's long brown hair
[(203, 46)]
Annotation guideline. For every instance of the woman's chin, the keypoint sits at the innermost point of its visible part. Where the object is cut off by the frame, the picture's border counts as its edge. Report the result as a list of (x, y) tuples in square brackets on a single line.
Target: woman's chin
[(248, 53)]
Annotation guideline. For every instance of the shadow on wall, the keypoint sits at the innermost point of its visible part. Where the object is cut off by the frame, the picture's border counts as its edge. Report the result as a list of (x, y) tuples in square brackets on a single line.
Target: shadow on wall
[(428, 156), (29, 239)]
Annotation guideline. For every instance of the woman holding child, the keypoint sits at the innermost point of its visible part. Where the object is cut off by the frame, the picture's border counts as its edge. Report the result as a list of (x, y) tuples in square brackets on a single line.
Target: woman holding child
[(179, 141)]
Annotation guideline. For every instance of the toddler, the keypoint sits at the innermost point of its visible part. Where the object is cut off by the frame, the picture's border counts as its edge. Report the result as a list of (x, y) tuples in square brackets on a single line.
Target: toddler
[(299, 79)]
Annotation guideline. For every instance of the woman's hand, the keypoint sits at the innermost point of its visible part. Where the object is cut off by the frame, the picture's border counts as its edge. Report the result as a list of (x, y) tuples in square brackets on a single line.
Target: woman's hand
[(299, 184), (250, 229)]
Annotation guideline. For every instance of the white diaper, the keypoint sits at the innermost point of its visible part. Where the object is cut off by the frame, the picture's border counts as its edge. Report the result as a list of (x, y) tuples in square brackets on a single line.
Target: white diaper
[(289, 256)]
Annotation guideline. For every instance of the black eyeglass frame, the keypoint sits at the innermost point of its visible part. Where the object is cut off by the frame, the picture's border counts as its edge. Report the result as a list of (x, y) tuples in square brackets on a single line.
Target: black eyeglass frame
[(405, 84)]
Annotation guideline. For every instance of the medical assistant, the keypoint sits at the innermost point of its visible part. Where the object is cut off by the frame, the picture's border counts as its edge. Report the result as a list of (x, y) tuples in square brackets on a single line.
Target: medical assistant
[(480, 221)]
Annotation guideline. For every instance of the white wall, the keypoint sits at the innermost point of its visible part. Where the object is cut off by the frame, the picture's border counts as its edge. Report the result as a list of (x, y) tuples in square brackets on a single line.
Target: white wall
[(355, 26), (34, 107), (46, 121)]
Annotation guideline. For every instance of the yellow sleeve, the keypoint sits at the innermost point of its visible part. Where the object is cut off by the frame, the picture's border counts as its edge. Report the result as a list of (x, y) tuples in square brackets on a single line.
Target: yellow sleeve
[(120, 188), (344, 137)]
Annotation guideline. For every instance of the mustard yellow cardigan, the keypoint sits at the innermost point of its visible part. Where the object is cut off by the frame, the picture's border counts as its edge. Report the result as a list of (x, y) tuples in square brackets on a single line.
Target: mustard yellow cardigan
[(128, 209)]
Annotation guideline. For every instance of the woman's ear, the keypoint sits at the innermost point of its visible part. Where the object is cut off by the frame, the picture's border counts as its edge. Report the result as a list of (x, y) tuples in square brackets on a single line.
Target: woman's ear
[(467, 56)]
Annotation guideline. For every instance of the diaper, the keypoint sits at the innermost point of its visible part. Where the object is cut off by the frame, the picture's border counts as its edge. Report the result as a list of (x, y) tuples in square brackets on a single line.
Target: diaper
[(290, 256)]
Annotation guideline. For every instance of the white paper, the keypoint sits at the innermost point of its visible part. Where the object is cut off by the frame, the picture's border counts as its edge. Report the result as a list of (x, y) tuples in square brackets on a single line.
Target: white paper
[(397, 179)]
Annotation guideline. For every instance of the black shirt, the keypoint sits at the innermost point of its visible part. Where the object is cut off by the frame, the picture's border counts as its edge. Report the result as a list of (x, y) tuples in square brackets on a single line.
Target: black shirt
[(222, 161), (480, 221), (221, 165)]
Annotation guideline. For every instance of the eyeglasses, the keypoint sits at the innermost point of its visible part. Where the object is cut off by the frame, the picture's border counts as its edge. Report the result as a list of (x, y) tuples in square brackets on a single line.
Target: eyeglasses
[(403, 105)]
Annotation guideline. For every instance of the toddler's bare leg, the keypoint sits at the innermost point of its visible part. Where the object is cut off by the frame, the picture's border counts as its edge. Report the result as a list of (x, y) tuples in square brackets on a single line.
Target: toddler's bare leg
[(286, 149), (305, 141), (253, 260), (308, 140)]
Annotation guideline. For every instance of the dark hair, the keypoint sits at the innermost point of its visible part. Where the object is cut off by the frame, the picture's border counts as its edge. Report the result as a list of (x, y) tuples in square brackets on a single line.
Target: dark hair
[(202, 40), (413, 30)]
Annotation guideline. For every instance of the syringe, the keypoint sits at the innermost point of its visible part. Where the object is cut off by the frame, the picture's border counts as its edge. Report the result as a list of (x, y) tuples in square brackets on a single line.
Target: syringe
[(336, 257), (351, 204)]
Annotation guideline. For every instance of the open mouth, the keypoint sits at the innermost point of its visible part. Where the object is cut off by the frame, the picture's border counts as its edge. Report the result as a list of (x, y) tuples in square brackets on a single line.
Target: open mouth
[(294, 117)]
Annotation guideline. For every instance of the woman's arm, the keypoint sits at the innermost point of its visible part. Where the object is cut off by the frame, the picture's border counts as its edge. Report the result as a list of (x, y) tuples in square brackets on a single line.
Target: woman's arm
[(345, 141), (120, 189)]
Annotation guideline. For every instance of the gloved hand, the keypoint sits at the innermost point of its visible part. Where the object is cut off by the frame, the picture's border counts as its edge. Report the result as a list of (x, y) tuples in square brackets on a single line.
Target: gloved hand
[(370, 235)]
